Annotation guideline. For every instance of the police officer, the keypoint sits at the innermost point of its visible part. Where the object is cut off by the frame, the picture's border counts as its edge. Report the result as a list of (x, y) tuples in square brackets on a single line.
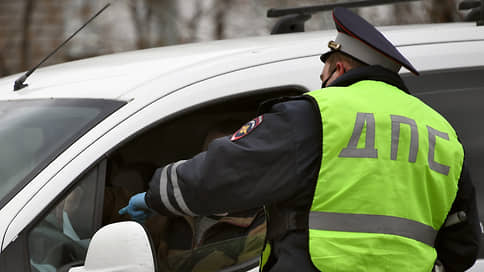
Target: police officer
[(358, 176)]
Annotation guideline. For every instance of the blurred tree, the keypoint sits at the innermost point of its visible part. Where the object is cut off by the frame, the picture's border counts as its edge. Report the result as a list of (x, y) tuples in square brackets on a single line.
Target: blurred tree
[(154, 22), (135, 24), (27, 21), (189, 20), (164, 22), (3, 66), (221, 11), (406, 13), (141, 12), (416, 12), (442, 11)]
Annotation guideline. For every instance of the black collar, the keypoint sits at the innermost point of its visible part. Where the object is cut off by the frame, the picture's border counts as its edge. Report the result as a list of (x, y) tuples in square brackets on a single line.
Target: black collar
[(373, 72)]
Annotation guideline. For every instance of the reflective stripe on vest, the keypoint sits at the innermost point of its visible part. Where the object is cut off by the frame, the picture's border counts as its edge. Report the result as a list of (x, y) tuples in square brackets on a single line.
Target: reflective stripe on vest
[(371, 223)]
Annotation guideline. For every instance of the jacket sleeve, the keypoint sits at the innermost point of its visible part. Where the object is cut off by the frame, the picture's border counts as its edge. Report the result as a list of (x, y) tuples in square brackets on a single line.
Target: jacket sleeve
[(457, 245), (259, 164)]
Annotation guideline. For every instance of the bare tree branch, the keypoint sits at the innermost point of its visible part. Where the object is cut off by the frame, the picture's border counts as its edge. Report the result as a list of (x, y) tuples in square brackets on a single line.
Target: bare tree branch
[(221, 8), (164, 17), (141, 19), (401, 13), (3, 66), (27, 21), (195, 20), (442, 11)]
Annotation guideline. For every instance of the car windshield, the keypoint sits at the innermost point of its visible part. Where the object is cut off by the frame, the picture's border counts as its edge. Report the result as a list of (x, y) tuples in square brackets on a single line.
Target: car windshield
[(34, 132)]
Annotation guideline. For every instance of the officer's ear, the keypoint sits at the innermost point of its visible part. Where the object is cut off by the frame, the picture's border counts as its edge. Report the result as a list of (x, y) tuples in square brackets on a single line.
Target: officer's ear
[(341, 68)]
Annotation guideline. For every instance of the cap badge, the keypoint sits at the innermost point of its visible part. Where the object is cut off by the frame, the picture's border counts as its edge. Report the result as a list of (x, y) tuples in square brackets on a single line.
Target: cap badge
[(334, 45)]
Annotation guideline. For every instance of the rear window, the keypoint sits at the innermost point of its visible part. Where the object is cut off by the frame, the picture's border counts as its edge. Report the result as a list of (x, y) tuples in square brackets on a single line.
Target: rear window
[(34, 132)]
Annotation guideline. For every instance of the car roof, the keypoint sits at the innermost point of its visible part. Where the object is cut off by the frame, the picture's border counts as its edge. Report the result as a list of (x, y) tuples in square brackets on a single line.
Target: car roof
[(126, 76)]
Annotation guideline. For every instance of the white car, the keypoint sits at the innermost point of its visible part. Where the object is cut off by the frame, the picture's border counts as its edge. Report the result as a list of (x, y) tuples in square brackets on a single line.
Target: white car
[(82, 130)]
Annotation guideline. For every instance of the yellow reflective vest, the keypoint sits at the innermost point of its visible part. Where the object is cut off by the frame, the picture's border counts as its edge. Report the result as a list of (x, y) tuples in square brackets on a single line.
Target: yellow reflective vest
[(389, 173), (388, 177)]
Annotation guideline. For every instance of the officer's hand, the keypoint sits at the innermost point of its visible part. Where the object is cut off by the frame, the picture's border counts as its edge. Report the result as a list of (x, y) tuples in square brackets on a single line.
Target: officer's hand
[(137, 208)]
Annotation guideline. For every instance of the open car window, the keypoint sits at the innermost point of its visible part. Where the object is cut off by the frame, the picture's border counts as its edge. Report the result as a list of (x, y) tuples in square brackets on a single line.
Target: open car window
[(203, 243)]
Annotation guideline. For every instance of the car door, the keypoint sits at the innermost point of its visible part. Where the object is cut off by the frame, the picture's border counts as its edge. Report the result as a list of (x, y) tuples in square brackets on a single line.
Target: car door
[(230, 243), (59, 236), (56, 237)]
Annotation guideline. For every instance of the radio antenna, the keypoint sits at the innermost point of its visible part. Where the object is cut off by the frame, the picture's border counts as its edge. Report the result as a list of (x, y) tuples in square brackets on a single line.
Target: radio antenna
[(19, 83)]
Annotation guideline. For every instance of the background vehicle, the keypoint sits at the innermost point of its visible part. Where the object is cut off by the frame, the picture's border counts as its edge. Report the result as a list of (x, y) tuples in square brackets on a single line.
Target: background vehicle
[(83, 131)]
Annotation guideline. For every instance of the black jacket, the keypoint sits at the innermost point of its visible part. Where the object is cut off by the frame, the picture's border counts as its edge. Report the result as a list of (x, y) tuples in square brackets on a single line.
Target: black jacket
[(276, 163)]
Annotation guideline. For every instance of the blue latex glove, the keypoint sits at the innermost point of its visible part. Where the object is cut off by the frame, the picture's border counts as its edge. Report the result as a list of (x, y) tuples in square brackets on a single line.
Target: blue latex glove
[(137, 208)]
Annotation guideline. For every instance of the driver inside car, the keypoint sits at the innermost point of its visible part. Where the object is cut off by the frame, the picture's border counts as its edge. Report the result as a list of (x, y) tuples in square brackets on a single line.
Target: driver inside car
[(206, 243), (210, 243)]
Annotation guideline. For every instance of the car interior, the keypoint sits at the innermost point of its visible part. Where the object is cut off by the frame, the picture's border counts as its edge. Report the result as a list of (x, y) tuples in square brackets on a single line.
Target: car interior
[(190, 244)]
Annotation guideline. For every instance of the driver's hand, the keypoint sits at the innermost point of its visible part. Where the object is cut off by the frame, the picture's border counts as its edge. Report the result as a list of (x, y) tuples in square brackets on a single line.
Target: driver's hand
[(137, 208)]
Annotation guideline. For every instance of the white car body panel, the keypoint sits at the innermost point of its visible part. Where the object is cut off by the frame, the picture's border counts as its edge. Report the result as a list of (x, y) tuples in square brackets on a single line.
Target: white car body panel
[(175, 66), (157, 83), (115, 76), (92, 146), (444, 56)]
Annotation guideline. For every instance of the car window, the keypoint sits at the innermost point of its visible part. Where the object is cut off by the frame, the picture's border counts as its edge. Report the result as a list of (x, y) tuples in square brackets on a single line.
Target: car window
[(33, 132), (207, 243), (458, 95), (60, 239)]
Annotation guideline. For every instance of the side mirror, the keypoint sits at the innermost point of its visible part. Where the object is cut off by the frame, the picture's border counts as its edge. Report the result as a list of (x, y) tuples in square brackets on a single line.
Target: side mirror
[(118, 247)]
